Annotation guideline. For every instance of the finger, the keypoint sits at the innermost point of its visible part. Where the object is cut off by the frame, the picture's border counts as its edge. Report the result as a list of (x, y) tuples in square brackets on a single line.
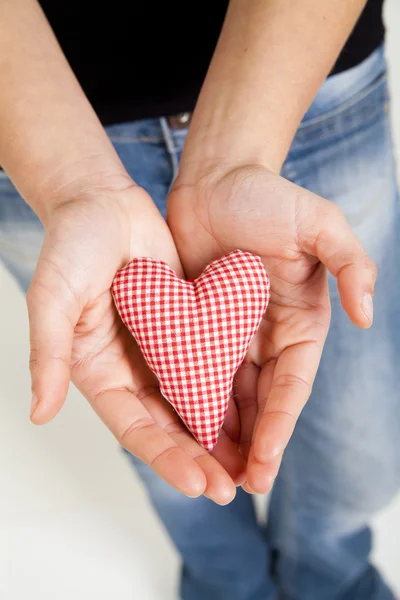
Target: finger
[(263, 382), (247, 488), (261, 477), (331, 239), (226, 466), (53, 313), (227, 454), (220, 486), (245, 389), (231, 422), (137, 431), (290, 389)]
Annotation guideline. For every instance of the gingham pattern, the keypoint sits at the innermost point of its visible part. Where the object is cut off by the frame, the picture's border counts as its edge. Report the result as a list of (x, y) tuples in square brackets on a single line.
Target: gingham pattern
[(194, 335)]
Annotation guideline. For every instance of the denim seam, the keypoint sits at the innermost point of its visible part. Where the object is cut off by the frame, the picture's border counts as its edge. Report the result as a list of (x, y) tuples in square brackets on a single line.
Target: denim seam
[(169, 142), (310, 123), (345, 126)]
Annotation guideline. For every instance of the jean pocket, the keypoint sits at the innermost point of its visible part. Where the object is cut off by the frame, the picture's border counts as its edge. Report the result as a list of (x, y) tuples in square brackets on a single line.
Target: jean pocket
[(357, 113)]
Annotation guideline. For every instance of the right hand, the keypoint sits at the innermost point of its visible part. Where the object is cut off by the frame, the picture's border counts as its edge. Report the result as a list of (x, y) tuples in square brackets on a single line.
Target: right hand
[(76, 334)]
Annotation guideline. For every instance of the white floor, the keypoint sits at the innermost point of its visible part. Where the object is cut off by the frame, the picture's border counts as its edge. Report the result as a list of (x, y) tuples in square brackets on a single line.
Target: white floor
[(74, 521)]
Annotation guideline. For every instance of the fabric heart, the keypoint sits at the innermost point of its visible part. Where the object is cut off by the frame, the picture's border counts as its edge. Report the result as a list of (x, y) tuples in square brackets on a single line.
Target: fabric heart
[(194, 335)]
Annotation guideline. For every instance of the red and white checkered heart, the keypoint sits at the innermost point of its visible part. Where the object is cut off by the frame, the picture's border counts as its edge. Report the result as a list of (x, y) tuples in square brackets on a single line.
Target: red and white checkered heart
[(194, 335)]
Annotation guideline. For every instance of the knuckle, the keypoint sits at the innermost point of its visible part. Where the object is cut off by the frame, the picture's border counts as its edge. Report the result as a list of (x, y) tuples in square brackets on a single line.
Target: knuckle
[(281, 414), (135, 427), (33, 359), (39, 357), (147, 391), (31, 295), (166, 454), (371, 267), (335, 211), (174, 428), (290, 380)]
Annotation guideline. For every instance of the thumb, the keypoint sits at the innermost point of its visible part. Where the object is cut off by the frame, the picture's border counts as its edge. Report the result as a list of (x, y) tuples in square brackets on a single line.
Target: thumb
[(53, 313), (331, 239)]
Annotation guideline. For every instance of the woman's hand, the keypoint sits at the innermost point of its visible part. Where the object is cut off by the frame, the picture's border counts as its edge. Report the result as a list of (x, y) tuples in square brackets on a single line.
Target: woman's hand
[(76, 333), (297, 234)]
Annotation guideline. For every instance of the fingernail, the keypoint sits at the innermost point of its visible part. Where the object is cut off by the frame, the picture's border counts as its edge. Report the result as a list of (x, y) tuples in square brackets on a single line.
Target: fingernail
[(368, 307), (246, 488), (34, 404), (239, 480)]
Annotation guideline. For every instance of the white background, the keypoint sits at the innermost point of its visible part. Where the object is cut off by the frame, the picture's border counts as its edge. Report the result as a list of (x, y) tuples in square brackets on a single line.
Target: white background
[(74, 521)]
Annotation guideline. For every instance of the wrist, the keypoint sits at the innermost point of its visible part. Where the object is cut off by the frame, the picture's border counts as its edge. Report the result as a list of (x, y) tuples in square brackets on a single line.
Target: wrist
[(212, 157), (230, 135), (270, 60), (219, 154), (112, 207), (98, 176)]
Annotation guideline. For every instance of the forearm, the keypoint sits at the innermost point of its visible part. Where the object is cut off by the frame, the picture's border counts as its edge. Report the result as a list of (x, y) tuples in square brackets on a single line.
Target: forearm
[(50, 137), (271, 58)]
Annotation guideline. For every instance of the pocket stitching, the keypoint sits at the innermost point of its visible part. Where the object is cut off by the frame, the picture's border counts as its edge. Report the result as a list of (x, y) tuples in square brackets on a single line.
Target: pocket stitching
[(316, 121)]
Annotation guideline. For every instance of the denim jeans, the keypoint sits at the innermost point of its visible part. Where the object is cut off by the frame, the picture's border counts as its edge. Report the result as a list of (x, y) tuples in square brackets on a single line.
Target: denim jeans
[(343, 462)]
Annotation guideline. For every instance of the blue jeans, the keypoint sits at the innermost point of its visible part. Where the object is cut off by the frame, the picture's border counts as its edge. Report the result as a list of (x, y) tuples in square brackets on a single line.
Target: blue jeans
[(343, 462)]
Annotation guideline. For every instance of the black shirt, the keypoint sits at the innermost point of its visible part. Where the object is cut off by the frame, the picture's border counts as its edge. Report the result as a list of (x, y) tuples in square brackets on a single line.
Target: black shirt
[(137, 59)]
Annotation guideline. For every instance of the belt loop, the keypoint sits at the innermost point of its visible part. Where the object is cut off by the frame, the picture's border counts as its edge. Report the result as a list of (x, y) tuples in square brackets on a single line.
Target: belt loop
[(169, 142)]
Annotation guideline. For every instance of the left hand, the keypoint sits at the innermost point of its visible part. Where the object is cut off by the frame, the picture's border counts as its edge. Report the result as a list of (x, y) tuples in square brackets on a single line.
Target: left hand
[(297, 234)]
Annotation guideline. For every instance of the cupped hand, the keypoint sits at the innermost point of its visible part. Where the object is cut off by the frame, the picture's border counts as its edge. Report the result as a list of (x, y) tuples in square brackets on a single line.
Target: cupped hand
[(77, 334), (299, 236)]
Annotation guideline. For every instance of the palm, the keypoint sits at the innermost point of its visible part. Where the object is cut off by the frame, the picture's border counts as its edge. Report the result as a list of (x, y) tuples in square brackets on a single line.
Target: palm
[(109, 369), (255, 210), (85, 245), (277, 376)]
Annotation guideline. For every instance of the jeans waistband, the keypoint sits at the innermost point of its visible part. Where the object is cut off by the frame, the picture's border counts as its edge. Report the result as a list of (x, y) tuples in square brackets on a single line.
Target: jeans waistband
[(341, 87)]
